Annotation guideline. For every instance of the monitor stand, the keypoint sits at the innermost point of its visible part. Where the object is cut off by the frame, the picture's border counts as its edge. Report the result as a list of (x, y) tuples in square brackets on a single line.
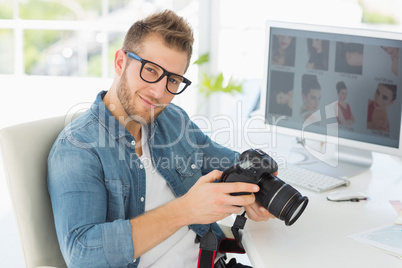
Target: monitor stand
[(333, 160)]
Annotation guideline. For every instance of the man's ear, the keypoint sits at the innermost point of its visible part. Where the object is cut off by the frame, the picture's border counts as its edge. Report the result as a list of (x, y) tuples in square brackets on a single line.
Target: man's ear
[(119, 61)]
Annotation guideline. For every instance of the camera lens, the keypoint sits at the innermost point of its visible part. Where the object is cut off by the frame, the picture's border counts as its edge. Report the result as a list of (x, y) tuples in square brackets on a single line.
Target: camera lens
[(297, 210), (281, 199)]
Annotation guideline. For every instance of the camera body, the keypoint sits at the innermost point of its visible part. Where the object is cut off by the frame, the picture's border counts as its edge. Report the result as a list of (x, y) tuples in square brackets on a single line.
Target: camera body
[(279, 198), (252, 165)]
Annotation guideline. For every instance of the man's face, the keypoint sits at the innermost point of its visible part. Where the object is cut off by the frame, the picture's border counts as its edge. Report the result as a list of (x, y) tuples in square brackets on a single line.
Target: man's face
[(143, 101)]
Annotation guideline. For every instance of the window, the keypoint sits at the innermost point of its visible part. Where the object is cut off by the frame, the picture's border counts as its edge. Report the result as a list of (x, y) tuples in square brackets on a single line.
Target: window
[(75, 38), (6, 51), (55, 56)]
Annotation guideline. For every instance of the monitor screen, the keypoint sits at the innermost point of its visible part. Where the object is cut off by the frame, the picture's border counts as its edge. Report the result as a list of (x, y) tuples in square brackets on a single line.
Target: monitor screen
[(317, 76)]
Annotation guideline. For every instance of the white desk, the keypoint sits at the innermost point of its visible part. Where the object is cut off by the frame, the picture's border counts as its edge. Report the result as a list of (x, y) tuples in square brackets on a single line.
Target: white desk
[(319, 237)]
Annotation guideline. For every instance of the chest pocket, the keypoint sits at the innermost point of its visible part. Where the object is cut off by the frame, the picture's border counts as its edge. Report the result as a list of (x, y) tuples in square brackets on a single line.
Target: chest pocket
[(117, 199), (189, 166)]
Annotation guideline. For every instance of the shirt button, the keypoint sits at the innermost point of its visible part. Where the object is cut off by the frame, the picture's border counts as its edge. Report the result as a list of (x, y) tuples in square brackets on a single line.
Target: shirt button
[(133, 142), (142, 199), (134, 260), (141, 166), (193, 166)]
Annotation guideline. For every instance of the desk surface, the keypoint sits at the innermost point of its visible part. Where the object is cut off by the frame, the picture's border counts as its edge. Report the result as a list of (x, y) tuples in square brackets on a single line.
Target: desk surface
[(319, 238)]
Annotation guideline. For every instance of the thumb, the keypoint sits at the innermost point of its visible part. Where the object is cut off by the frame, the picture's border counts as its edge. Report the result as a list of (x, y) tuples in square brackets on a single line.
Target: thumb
[(211, 176)]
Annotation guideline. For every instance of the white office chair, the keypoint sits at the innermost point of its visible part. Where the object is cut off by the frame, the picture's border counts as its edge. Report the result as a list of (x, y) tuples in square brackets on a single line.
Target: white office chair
[(24, 150)]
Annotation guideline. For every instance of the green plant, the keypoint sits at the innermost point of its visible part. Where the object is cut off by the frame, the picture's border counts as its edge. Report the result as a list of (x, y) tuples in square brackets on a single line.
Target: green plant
[(212, 83), (376, 17)]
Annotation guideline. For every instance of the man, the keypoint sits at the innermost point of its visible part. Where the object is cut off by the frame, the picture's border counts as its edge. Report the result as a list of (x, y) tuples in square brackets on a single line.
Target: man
[(131, 180)]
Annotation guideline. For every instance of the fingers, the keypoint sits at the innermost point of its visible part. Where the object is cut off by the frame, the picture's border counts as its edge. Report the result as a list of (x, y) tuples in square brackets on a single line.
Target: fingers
[(239, 187), (230, 187), (241, 200), (218, 200), (256, 212), (211, 176)]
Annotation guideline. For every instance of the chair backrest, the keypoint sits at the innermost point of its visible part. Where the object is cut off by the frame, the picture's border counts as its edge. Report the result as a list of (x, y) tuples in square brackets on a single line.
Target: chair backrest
[(25, 149)]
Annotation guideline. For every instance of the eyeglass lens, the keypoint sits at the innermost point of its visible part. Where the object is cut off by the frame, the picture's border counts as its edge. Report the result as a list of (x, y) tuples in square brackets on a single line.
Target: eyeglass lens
[(151, 73)]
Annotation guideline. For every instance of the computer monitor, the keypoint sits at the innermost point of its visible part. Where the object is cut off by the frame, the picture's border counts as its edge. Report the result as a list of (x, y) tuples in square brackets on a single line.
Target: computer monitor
[(338, 90)]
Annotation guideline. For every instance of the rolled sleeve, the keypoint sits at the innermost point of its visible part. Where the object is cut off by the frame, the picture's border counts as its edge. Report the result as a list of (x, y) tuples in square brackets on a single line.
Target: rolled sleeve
[(118, 243)]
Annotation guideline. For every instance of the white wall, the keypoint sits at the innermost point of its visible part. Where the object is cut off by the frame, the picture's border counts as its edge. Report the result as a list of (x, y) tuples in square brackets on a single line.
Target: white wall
[(27, 98)]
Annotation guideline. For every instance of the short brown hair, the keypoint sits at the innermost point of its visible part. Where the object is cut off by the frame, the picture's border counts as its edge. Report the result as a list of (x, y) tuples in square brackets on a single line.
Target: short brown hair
[(174, 30)]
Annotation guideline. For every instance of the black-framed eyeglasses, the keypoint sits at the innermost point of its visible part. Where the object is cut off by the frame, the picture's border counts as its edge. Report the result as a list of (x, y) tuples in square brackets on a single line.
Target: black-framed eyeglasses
[(152, 73)]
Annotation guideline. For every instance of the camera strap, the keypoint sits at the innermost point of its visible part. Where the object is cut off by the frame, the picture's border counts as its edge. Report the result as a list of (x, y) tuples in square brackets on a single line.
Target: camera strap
[(238, 225), (208, 249), (209, 244)]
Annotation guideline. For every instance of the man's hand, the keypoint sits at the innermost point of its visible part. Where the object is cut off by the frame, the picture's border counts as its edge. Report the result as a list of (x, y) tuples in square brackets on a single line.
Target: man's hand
[(208, 202), (256, 212)]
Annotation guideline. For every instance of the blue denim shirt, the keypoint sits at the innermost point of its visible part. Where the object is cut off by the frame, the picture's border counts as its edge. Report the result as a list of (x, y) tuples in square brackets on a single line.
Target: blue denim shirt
[(97, 182)]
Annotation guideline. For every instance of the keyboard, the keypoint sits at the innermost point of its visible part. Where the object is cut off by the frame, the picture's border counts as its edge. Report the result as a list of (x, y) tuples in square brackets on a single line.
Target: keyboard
[(310, 180)]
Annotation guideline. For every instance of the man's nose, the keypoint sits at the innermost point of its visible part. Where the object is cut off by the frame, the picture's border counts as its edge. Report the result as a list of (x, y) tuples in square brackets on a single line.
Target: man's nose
[(158, 89)]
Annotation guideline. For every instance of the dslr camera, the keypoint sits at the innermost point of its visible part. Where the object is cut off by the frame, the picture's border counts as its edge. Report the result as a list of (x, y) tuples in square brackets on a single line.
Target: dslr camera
[(279, 198)]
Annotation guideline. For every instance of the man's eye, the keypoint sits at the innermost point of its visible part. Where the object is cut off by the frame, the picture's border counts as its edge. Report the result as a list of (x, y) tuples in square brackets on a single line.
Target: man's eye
[(150, 70), (173, 81)]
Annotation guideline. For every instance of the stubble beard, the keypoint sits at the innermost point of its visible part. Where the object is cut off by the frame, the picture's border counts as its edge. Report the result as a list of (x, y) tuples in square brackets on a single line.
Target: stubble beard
[(126, 98)]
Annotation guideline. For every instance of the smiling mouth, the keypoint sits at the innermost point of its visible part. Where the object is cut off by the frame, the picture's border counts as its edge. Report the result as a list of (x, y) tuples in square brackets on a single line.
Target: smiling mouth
[(148, 104)]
